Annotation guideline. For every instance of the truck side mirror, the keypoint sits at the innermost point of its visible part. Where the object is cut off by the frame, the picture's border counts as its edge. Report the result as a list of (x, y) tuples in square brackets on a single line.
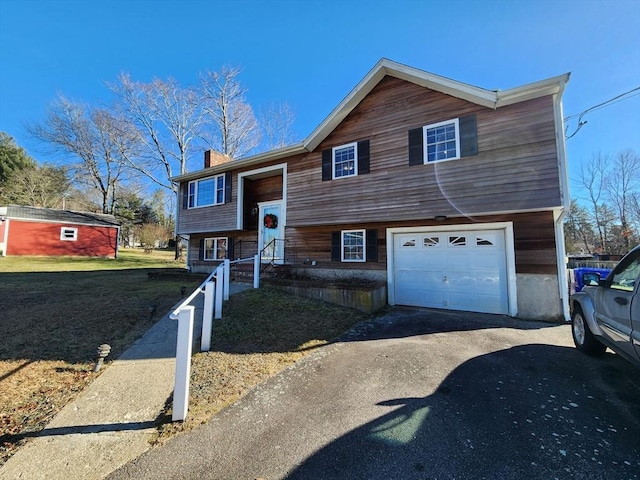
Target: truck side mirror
[(591, 279)]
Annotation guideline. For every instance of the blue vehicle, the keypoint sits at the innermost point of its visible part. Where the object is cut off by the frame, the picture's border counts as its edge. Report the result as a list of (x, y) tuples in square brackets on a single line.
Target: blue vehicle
[(581, 272)]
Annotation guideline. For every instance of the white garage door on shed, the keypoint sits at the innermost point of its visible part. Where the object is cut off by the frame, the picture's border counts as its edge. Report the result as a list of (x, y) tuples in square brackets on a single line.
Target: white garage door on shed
[(456, 270)]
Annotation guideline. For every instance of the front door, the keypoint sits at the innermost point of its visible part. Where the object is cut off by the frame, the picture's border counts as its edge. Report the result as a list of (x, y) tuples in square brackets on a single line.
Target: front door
[(271, 232)]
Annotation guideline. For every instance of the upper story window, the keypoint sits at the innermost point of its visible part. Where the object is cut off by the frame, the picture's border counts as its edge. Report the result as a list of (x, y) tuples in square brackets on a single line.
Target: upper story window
[(208, 191), (69, 234), (345, 160), (215, 248), (349, 160), (446, 140), (442, 141)]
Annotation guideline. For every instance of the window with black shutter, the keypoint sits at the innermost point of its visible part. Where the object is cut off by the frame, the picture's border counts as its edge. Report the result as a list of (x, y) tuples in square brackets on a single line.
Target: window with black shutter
[(446, 140), (347, 160)]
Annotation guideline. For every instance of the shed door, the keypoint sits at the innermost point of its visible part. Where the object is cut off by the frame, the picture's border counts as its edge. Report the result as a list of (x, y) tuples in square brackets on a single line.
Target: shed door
[(458, 270)]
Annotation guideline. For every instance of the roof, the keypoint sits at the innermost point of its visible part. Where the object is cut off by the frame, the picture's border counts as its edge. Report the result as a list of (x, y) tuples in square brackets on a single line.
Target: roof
[(58, 216), (385, 67)]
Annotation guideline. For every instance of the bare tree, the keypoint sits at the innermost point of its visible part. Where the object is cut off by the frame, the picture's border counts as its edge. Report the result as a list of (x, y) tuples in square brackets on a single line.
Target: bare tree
[(224, 101), (38, 186), (276, 123), (591, 181), (168, 119), (97, 138), (621, 185)]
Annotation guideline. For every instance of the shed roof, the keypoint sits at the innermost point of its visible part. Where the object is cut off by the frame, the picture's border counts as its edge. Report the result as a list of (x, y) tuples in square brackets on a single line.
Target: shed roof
[(59, 216)]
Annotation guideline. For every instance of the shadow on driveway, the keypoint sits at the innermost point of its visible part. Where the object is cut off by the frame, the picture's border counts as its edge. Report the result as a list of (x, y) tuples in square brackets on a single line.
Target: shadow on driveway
[(532, 411)]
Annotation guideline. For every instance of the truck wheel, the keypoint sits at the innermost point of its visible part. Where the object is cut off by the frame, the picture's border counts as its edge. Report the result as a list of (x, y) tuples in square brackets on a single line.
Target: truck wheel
[(583, 338)]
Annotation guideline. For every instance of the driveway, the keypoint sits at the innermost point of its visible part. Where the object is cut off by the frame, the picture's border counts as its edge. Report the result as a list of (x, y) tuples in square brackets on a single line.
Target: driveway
[(424, 394)]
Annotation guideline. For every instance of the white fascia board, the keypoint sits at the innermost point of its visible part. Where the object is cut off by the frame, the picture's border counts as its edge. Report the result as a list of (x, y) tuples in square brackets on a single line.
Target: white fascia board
[(271, 155), (550, 86), (441, 84), (403, 72), (345, 107)]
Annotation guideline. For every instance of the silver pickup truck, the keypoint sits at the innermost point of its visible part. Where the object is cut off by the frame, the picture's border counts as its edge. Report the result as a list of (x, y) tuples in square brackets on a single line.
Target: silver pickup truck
[(606, 313)]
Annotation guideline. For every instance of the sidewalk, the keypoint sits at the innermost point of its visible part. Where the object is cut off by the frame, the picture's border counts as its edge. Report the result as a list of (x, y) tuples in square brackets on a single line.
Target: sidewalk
[(112, 420)]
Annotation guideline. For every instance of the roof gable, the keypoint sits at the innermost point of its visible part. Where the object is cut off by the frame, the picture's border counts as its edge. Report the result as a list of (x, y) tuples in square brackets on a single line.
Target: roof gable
[(488, 98), (385, 67)]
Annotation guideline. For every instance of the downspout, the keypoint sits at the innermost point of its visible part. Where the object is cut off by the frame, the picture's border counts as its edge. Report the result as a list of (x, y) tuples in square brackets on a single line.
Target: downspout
[(6, 237), (560, 214)]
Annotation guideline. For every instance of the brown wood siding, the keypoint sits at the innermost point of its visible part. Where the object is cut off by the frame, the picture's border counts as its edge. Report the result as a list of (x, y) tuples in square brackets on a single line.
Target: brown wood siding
[(219, 218), (534, 239), (516, 167), (215, 218)]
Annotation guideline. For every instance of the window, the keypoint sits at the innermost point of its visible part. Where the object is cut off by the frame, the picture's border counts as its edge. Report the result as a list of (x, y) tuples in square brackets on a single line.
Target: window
[(431, 241), (208, 191), (442, 141), (353, 246), (447, 140), (626, 278), (69, 234), (345, 160), (215, 248)]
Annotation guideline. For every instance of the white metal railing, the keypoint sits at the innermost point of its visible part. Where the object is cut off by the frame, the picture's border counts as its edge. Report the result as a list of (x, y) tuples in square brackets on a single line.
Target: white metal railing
[(216, 289)]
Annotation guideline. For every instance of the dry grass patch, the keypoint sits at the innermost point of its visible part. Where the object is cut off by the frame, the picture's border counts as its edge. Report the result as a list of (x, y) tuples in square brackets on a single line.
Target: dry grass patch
[(55, 313), (261, 333)]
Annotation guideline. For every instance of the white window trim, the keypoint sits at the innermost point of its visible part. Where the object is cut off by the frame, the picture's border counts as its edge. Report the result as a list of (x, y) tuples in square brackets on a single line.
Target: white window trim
[(355, 160), (215, 196), (456, 122), (73, 230), (215, 248), (364, 246)]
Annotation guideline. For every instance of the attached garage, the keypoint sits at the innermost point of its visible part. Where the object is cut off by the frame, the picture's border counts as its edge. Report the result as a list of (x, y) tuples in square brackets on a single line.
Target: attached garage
[(466, 267)]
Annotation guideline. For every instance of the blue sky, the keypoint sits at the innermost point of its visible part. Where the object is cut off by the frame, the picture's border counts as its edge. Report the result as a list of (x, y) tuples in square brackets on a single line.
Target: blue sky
[(312, 53)]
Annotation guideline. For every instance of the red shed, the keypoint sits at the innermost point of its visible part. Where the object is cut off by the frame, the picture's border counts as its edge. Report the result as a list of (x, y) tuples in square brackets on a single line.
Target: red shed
[(46, 231)]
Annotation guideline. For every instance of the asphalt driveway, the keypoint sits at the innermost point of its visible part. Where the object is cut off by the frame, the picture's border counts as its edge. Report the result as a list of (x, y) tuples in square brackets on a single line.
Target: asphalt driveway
[(424, 394)]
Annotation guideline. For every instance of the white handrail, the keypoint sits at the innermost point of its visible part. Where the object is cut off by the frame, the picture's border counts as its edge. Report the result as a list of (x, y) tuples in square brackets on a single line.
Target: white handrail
[(199, 289)]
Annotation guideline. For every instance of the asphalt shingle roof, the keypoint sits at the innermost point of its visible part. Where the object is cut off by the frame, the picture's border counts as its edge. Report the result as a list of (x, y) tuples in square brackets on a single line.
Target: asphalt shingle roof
[(61, 216)]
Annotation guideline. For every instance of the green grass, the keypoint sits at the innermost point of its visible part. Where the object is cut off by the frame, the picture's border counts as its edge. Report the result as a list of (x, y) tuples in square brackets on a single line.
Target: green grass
[(127, 259)]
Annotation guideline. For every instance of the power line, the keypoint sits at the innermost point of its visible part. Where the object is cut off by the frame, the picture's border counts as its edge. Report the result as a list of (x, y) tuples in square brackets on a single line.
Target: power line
[(616, 99)]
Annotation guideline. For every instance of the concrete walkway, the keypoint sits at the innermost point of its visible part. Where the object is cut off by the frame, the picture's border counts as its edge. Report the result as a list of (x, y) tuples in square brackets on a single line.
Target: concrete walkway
[(112, 420)]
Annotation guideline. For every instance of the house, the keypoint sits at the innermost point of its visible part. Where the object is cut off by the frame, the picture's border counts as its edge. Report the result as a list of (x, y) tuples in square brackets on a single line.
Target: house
[(47, 231), (452, 194)]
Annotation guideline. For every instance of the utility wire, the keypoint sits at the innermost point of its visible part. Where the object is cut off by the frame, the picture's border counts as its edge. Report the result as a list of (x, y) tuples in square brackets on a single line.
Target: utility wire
[(611, 101)]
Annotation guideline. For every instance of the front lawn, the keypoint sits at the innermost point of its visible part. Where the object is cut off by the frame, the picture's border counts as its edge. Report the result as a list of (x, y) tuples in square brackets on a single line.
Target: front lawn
[(55, 313)]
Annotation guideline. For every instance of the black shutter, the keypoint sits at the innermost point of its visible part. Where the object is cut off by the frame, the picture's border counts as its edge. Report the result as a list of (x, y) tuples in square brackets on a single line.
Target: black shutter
[(227, 187), (416, 149), (363, 157), (201, 250), (326, 164), (230, 248), (185, 195), (468, 136), (372, 246), (336, 244)]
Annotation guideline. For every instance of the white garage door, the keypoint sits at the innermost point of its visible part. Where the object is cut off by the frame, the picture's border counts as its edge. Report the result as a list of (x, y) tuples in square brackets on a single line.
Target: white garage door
[(458, 270)]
